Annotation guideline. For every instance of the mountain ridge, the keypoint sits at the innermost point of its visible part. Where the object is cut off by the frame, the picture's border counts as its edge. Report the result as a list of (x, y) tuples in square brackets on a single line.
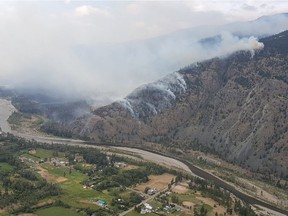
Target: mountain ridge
[(234, 107)]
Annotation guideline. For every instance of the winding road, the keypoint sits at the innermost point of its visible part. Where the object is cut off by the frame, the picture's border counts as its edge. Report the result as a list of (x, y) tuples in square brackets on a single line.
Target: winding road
[(168, 161), (6, 109)]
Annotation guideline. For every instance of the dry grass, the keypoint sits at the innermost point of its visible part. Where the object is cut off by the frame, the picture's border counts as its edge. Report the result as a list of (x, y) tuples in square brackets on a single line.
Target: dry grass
[(188, 213), (27, 214), (212, 203), (188, 204), (181, 188), (159, 182), (130, 167), (257, 191), (50, 178), (43, 203), (33, 152)]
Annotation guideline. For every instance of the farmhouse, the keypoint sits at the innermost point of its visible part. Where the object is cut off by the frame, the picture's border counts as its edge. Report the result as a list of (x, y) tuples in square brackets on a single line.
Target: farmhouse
[(58, 162), (146, 209), (78, 158), (120, 164), (167, 208), (151, 191), (101, 203)]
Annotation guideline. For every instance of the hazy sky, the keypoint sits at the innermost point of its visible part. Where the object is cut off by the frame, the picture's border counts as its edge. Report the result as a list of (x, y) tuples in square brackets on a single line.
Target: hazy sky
[(57, 44), (116, 21)]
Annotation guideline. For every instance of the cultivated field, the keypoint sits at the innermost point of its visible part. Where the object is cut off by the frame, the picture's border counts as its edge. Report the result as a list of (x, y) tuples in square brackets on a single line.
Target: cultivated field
[(56, 211)]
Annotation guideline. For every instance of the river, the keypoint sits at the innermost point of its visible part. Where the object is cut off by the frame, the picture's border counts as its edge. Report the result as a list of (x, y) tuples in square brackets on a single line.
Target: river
[(6, 109)]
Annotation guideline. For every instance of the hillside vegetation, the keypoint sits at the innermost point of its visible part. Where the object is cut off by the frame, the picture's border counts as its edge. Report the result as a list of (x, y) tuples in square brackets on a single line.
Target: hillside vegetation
[(235, 107)]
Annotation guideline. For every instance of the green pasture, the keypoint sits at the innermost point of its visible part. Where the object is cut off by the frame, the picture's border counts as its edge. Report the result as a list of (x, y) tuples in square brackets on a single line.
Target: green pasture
[(5, 168), (134, 213), (73, 192), (56, 211)]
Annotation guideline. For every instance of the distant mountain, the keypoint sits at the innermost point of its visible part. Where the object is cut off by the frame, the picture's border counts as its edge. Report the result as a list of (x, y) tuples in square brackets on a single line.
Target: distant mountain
[(235, 107), (232, 106), (53, 108), (113, 70)]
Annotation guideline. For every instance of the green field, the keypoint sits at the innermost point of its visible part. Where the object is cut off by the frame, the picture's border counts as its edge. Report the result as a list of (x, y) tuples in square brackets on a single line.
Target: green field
[(56, 211), (155, 204), (206, 206), (187, 197), (4, 214), (134, 213), (30, 156), (73, 192), (5, 168), (43, 153)]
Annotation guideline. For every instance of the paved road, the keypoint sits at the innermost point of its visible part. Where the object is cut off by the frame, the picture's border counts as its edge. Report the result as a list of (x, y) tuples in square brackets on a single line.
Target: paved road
[(136, 191), (144, 201)]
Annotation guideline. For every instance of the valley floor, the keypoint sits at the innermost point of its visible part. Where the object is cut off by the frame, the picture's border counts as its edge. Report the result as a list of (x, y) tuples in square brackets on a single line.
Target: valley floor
[(187, 199)]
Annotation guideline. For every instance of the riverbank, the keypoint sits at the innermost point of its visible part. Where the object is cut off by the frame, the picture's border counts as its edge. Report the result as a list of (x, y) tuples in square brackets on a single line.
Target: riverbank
[(6, 109)]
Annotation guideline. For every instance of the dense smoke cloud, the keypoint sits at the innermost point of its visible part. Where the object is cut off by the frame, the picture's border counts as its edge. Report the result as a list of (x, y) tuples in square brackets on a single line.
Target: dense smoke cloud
[(230, 43), (62, 53)]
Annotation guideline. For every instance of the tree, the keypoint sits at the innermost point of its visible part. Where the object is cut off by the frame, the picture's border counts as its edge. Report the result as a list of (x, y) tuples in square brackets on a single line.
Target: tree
[(169, 186), (203, 211), (6, 191), (135, 198), (175, 199), (146, 190), (137, 208), (178, 178), (229, 211), (55, 153)]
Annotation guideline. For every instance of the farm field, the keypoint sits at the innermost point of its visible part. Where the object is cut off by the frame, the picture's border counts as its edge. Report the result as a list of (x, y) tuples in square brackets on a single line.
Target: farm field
[(156, 181), (44, 153), (133, 213), (67, 180), (71, 182), (56, 211), (5, 167)]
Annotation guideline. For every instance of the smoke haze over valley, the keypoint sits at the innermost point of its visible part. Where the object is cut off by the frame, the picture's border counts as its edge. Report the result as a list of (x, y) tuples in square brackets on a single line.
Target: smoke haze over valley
[(134, 107), (92, 51)]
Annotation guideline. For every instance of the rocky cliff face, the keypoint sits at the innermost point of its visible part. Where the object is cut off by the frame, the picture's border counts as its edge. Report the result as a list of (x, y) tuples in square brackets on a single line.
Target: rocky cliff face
[(235, 107)]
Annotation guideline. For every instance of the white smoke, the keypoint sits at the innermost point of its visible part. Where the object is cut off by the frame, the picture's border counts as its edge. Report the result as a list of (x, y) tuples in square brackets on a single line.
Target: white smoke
[(59, 54), (230, 44)]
